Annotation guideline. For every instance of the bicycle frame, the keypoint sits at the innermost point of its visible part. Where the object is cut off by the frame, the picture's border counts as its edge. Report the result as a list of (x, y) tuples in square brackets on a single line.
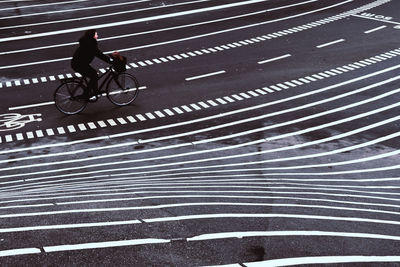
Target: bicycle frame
[(109, 73)]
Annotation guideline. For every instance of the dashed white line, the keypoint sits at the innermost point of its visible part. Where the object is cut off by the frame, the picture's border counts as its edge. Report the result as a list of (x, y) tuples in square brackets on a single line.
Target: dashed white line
[(330, 43), (274, 59), (205, 75)]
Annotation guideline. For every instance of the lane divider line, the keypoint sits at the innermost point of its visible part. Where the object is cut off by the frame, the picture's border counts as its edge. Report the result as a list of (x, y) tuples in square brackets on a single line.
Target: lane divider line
[(376, 29), (218, 48), (274, 59), (330, 43), (241, 96), (205, 75)]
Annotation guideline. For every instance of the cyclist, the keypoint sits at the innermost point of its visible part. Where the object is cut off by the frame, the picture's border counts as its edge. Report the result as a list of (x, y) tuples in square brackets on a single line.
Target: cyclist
[(83, 56)]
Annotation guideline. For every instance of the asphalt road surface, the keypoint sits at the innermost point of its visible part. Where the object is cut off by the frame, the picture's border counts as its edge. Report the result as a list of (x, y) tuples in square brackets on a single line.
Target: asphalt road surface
[(265, 133)]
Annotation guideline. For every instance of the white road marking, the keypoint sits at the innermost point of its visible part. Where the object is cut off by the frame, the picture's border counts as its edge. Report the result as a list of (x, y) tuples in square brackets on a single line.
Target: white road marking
[(205, 75), (19, 251), (235, 96), (290, 233), (126, 22), (40, 5), (66, 226), (323, 260), (107, 244), (274, 59), (330, 43), (157, 44)]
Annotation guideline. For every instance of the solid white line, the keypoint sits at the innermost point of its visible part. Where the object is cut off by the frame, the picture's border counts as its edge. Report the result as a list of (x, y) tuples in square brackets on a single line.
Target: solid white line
[(234, 204), (225, 235), (376, 29), (205, 75), (72, 10), (66, 226), (282, 7), (321, 102), (32, 105), (273, 59), (169, 42), (323, 260), (39, 5), (330, 43), (19, 251), (107, 14), (107, 244), (120, 23)]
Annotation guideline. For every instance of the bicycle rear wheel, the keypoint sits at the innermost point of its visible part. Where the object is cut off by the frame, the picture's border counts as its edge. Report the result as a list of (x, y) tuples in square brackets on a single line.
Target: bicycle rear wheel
[(122, 89), (69, 97)]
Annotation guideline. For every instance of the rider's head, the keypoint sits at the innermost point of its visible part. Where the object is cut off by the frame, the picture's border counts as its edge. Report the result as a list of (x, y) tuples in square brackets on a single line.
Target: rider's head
[(91, 34)]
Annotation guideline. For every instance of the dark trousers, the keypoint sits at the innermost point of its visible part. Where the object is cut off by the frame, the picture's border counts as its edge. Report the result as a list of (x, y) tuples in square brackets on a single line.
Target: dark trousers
[(91, 73)]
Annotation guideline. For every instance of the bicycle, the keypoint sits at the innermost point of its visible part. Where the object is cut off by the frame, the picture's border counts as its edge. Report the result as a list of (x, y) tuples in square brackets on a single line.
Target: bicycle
[(121, 89)]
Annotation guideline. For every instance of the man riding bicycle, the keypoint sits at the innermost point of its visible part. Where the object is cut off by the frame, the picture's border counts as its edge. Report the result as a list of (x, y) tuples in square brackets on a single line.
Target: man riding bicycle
[(83, 56)]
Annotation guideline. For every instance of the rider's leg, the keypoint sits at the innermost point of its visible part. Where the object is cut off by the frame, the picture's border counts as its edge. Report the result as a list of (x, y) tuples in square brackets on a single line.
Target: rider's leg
[(91, 73)]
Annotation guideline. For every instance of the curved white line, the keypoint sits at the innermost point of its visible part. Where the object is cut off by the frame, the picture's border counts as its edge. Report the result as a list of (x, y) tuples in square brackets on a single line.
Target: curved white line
[(127, 22), (324, 260), (70, 10), (155, 44), (233, 156)]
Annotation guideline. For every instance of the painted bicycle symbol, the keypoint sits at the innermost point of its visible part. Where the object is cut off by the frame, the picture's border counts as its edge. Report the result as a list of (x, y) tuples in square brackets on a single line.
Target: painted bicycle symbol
[(12, 121)]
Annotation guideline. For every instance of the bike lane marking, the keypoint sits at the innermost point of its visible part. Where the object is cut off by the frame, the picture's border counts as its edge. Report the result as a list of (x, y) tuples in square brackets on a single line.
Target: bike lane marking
[(269, 89), (231, 45)]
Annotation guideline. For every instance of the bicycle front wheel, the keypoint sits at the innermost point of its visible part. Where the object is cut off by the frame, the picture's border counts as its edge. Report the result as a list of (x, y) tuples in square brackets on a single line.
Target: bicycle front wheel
[(69, 97), (122, 89)]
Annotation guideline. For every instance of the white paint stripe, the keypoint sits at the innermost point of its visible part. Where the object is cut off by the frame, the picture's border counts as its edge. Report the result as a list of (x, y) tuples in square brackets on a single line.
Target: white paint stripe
[(141, 117), (159, 114), (122, 121), (108, 244), (32, 105), (60, 129), (330, 43), (220, 194), (66, 226), (169, 112), (205, 75), (158, 17), (308, 261), (50, 132), (178, 110), (19, 251), (92, 125), (131, 119), (305, 234), (39, 133), (150, 115), (186, 108), (82, 127), (196, 107), (204, 105), (274, 59), (168, 42), (269, 215), (71, 128), (40, 5)]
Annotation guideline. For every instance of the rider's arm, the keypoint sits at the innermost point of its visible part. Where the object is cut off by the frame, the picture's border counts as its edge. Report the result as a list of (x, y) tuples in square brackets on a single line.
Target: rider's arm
[(102, 56)]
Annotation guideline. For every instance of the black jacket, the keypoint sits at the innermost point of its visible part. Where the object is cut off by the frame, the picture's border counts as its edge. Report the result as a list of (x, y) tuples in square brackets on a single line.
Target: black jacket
[(86, 52)]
